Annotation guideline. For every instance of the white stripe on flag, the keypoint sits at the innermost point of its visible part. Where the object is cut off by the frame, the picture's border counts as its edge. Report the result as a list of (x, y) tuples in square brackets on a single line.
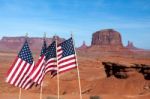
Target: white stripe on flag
[(41, 78), (50, 64), (50, 60), (49, 69), (24, 81), (62, 59), (38, 68), (59, 53), (67, 67), (27, 76), (12, 71), (28, 86), (19, 80), (40, 73), (17, 72), (67, 62), (59, 57), (59, 47)]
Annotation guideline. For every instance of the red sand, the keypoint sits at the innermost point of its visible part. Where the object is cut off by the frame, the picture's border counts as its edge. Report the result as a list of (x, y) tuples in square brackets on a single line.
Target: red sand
[(93, 80)]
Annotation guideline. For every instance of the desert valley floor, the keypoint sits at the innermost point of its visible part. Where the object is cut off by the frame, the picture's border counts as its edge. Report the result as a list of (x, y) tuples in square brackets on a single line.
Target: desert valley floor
[(93, 79)]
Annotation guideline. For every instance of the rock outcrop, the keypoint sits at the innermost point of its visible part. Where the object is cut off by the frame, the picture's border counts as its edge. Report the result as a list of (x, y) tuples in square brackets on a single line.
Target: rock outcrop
[(131, 46), (123, 71), (83, 46), (107, 37), (59, 40)]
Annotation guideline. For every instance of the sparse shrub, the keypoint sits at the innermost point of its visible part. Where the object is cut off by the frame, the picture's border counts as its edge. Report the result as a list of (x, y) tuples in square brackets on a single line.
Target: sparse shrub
[(95, 97), (64, 92)]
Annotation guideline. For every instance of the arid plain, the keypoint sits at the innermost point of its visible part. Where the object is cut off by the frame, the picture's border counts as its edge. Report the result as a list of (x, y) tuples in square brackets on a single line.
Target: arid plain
[(94, 80)]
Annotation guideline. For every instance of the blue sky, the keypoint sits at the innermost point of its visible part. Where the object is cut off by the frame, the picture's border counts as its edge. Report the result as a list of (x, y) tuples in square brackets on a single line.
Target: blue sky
[(83, 17)]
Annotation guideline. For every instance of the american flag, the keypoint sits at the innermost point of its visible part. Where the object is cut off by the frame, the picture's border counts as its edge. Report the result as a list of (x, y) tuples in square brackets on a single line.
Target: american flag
[(66, 56), (51, 58), (18, 74), (38, 71), (48, 64)]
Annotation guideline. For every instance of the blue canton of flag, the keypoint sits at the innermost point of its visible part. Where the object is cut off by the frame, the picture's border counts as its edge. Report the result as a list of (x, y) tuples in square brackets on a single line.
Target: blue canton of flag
[(25, 53), (51, 51), (67, 47), (44, 48)]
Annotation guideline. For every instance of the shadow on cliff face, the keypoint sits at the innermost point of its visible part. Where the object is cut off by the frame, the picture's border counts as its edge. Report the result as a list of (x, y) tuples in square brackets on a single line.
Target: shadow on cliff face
[(121, 71)]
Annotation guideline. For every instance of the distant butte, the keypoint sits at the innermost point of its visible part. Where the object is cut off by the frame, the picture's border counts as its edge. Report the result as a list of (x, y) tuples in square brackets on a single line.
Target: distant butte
[(15, 43), (102, 40), (83, 46), (131, 46), (106, 37), (108, 40)]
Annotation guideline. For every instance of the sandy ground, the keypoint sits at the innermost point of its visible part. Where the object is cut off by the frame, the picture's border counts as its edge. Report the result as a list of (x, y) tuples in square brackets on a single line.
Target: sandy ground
[(46, 96), (93, 80)]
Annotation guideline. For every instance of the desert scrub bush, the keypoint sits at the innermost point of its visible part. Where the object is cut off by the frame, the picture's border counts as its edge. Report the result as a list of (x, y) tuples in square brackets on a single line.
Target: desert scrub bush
[(95, 97), (50, 97)]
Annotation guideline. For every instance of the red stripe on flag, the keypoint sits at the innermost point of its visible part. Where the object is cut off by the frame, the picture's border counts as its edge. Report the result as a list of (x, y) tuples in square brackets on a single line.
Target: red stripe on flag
[(36, 66), (66, 65), (59, 55), (40, 73), (12, 67), (42, 78), (39, 62), (52, 61), (15, 71), (24, 81), (67, 69), (58, 50), (21, 81), (29, 83), (51, 66), (68, 59), (26, 77), (20, 73)]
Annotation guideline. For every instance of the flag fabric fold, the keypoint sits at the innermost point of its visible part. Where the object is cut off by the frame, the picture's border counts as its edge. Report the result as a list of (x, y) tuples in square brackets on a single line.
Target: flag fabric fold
[(51, 61), (37, 72), (45, 64)]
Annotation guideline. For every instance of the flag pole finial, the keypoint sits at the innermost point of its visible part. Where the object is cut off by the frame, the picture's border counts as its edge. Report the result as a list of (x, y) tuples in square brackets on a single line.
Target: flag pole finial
[(26, 34), (71, 34), (44, 35), (55, 36)]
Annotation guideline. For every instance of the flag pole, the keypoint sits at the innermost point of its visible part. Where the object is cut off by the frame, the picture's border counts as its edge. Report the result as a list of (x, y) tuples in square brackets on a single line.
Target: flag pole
[(41, 88), (26, 36), (20, 93), (58, 86), (79, 81)]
